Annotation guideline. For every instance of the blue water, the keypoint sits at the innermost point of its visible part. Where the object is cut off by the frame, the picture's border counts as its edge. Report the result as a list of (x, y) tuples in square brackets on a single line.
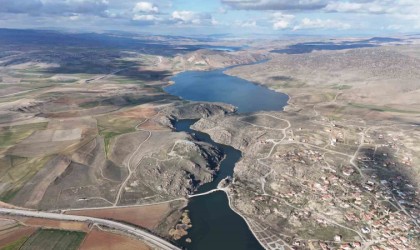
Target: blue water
[(302, 48), (214, 224), (215, 86)]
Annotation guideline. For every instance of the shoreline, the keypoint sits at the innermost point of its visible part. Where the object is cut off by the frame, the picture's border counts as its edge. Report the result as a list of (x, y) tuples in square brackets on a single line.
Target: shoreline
[(230, 199), (232, 208), (243, 217)]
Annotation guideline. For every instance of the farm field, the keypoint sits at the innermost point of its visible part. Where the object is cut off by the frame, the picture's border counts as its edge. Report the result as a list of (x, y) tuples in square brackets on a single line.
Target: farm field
[(50, 239), (92, 130), (99, 240), (157, 218), (13, 235)]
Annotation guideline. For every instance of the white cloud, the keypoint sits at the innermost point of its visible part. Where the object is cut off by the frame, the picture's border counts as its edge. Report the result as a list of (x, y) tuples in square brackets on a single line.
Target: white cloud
[(222, 10), (307, 23), (146, 18), (398, 13), (145, 13), (276, 4), (280, 25), (214, 21), (74, 18), (184, 16), (373, 6), (343, 7), (190, 17), (246, 24), (281, 21), (145, 7), (402, 15)]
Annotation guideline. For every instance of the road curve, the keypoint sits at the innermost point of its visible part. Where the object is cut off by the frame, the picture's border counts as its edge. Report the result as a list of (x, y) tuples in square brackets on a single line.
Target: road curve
[(143, 235)]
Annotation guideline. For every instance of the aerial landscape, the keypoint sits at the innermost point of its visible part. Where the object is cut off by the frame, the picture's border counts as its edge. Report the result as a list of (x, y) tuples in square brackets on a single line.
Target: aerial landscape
[(220, 124)]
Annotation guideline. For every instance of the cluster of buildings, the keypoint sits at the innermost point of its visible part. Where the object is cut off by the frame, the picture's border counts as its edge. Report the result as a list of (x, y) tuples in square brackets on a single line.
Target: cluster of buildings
[(379, 204)]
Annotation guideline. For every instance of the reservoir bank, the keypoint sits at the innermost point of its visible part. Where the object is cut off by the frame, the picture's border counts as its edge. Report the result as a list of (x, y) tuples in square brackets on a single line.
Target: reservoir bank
[(214, 224)]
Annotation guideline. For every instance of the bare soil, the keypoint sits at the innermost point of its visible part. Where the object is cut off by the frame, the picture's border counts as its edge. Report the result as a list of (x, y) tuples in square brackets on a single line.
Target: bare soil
[(146, 216), (100, 240)]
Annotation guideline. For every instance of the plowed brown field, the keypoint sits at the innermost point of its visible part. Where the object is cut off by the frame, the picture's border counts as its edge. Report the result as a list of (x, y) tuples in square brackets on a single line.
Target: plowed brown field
[(100, 240)]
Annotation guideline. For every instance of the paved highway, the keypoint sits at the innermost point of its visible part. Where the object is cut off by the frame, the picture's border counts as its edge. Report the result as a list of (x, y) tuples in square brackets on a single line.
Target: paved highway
[(156, 241)]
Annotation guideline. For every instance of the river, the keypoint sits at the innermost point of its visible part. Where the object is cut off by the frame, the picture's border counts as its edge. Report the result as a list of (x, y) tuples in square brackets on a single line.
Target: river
[(215, 225)]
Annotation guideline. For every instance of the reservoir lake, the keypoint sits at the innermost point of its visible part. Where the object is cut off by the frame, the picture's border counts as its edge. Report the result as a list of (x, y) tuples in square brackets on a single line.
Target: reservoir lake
[(215, 86), (214, 224)]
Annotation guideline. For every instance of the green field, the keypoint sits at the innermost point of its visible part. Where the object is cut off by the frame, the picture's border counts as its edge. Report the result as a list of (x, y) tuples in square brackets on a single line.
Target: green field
[(49, 239), (10, 136), (17, 172), (341, 86), (15, 245), (110, 127)]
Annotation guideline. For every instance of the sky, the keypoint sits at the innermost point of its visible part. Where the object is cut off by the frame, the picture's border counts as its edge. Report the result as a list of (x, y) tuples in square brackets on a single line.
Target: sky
[(206, 17)]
